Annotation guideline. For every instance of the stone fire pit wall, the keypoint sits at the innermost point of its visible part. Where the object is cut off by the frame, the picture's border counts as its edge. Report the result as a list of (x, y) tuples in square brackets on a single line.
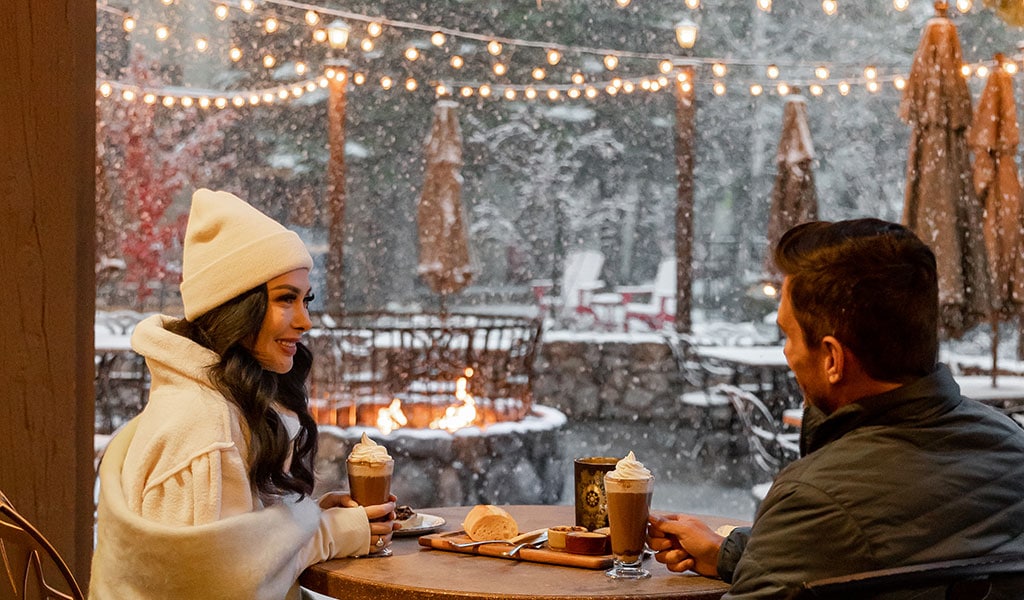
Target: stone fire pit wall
[(505, 463)]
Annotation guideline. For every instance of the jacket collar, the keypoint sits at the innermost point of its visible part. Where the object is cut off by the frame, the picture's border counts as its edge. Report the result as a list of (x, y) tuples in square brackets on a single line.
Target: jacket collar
[(933, 394)]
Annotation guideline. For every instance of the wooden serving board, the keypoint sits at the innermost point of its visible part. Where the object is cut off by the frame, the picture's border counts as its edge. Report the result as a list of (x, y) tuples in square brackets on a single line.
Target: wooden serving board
[(544, 554)]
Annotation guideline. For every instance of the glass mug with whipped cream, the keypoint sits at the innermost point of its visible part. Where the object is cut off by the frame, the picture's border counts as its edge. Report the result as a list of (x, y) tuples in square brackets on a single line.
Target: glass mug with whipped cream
[(370, 468), (628, 489)]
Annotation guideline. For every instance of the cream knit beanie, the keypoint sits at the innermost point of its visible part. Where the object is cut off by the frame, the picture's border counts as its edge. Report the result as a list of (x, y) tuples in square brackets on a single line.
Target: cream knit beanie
[(230, 248)]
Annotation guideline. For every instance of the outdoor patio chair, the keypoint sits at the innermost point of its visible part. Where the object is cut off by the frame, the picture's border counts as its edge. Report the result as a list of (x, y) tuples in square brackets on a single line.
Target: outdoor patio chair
[(660, 309), (991, 577), (580, 279), (715, 414), (29, 559), (768, 448)]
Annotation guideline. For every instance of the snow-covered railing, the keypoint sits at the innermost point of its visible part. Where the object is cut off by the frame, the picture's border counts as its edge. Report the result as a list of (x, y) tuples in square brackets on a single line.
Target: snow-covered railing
[(363, 361)]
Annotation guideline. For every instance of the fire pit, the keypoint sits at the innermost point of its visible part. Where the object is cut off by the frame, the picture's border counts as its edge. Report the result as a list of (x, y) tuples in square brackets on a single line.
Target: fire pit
[(451, 398)]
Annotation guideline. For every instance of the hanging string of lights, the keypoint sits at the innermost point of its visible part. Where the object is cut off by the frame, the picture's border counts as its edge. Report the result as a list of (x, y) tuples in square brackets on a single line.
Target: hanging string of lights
[(337, 32)]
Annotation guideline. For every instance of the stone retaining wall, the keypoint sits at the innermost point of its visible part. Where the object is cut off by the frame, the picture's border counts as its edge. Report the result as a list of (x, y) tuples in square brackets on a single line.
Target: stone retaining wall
[(610, 378)]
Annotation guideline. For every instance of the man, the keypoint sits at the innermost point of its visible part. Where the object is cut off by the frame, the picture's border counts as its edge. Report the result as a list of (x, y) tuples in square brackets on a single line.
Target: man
[(897, 467)]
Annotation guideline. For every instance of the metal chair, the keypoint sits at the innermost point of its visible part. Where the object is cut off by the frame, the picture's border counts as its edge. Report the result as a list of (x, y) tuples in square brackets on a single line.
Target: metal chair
[(991, 577), (715, 413), (768, 448), (28, 559)]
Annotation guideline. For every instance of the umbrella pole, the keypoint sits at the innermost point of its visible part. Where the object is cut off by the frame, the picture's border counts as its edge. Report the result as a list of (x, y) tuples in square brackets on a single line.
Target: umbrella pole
[(995, 347)]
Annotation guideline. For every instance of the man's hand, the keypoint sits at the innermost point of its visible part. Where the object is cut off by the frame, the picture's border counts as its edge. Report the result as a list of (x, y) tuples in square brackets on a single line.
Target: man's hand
[(684, 543)]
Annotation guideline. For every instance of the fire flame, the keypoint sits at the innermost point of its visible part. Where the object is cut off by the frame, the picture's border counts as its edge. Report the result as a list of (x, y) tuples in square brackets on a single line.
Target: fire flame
[(462, 415), (455, 416), (391, 418)]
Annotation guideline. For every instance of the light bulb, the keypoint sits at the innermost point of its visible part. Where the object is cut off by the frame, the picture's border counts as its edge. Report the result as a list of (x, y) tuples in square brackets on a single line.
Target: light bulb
[(411, 85), (772, 71), (756, 89), (899, 83), (665, 66), (578, 78), (484, 91), (530, 93), (816, 90), (500, 68), (269, 61), (765, 5), (718, 88), (437, 38), (782, 89), (821, 72), (366, 45), (622, 3), (235, 54), (162, 33), (128, 24), (202, 45), (553, 94), (693, 4), (870, 72), (829, 6), (900, 5), (221, 12), (494, 47), (964, 5), (611, 61), (374, 29), (718, 69), (386, 82), (312, 18), (411, 53), (554, 56), (510, 94), (844, 88), (457, 62), (538, 73), (271, 25)]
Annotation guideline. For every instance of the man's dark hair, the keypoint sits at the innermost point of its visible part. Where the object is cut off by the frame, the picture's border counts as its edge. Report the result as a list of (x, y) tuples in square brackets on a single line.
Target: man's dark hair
[(872, 285)]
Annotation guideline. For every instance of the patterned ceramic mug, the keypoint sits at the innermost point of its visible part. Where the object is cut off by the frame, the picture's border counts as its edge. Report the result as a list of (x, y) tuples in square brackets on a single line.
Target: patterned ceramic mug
[(591, 503)]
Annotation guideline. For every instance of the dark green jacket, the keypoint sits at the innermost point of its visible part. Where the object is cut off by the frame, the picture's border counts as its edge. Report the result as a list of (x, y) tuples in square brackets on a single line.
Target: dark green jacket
[(914, 475)]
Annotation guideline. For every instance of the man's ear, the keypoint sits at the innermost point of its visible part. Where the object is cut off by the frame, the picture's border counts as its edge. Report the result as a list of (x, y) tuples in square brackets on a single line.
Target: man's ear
[(834, 359)]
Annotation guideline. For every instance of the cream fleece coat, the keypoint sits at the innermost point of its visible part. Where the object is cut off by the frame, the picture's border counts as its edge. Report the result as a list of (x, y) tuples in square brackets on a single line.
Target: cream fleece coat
[(177, 517)]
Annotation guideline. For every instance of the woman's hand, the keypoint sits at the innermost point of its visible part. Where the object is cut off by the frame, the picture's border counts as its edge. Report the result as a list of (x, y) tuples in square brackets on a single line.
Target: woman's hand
[(382, 523), (684, 543)]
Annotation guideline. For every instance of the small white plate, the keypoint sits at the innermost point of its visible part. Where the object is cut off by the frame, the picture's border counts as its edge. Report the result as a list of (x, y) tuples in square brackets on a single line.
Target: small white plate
[(419, 524)]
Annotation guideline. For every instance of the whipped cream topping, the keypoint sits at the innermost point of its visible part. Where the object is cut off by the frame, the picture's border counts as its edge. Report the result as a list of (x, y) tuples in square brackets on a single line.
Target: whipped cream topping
[(630, 468), (369, 451)]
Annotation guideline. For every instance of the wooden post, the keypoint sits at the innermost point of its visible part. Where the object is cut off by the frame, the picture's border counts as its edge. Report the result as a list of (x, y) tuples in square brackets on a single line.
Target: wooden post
[(335, 302), (685, 133), (48, 216)]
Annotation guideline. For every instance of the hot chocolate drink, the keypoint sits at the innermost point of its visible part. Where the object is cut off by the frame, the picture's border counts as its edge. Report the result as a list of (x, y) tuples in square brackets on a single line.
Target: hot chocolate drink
[(628, 489), (369, 472)]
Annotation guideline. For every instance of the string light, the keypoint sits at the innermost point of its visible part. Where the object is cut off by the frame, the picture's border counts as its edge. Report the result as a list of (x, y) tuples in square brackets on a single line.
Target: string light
[(438, 39), (554, 57), (900, 5), (484, 91), (981, 72), (611, 61), (538, 74), (718, 69), (221, 12), (844, 88), (320, 35), (829, 6), (765, 5), (269, 61), (693, 4), (410, 84), (578, 78), (247, 5), (782, 89), (411, 53), (590, 92), (899, 83), (573, 93), (872, 86), (311, 18), (965, 70), (374, 29), (128, 24), (366, 44), (386, 82), (718, 88), (665, 66), (756, 89), (499, 69), (870, 72), (457, 62), (530, 93), (553, 94), (271, 25), (235, 54), (772, 71), (162, 33), (816, 90), (494, 47), (821, 72), (1010, 68), (510, 94), (622, 3), (106, 89), (358, 78), (202, 45), (964, 5)]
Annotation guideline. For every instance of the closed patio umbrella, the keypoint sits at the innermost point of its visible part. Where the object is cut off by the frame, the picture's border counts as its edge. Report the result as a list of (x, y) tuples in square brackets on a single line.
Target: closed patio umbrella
[(940, 204), (444, 247), (993, 138), (794, 199)]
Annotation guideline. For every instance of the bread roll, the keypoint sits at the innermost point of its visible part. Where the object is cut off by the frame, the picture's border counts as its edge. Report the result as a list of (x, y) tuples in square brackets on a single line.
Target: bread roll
[(488, 522)]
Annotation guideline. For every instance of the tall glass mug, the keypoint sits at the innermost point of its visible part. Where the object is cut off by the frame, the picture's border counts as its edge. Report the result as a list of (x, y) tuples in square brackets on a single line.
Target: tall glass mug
[(629, 502), (370, 483)]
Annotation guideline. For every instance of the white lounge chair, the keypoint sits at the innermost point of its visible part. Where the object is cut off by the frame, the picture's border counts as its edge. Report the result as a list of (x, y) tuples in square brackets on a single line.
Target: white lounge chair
[(580, 278), (660, 310)]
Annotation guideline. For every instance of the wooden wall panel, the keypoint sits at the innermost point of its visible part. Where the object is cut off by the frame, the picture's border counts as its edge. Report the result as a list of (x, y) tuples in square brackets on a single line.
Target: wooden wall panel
[(47, 217)]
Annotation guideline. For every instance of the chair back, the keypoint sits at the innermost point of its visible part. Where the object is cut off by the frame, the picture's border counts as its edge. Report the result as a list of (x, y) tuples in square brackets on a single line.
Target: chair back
[(768, 451), (582, 269), (30, 561), (665, 285), (992, 577)]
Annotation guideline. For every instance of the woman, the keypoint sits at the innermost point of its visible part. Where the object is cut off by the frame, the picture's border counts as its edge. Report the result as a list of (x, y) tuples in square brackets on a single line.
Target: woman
[(206, 494)]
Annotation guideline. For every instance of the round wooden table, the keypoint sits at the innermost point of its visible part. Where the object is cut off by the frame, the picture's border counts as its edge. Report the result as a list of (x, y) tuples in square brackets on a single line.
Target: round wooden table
[(419, 573)]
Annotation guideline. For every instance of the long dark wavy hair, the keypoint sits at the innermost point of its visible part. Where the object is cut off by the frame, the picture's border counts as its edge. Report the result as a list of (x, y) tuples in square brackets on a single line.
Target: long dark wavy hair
[(227, 330)]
